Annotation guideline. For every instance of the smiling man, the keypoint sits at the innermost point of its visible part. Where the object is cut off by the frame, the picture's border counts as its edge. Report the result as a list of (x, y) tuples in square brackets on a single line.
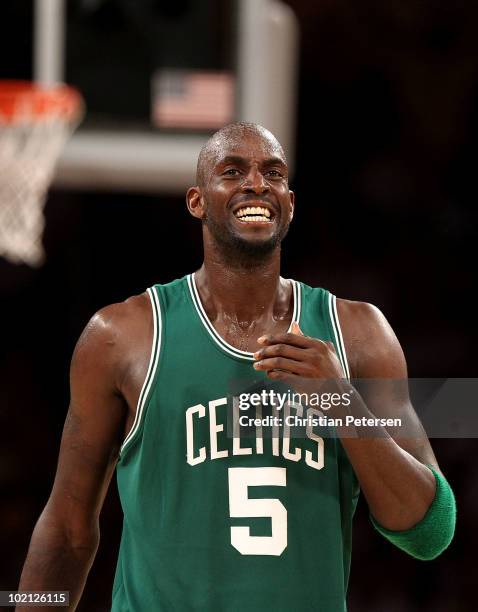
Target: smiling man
[(220, 522)]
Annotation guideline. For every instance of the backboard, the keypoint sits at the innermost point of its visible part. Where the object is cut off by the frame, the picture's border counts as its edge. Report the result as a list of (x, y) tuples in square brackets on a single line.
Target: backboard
[(126, 55)]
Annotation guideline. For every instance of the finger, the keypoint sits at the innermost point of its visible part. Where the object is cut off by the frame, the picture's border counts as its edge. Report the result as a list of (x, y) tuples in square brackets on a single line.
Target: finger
[(285, 376), (281, 350), (287, 338), (295, 329), (281, 363)]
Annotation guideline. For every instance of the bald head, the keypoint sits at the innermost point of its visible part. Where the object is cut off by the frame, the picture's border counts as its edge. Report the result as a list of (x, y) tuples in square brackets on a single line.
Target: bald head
[(228, 138)]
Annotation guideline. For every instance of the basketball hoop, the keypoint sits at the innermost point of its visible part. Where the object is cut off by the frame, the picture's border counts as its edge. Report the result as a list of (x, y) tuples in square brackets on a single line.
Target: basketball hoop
[(35, 123)]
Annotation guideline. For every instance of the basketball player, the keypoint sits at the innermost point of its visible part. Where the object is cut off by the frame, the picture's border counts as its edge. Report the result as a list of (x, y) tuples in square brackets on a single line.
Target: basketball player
[(214, 522)]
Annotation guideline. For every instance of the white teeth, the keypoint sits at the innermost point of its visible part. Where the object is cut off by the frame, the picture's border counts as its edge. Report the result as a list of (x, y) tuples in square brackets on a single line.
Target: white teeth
[(254, 211), (262, 218)]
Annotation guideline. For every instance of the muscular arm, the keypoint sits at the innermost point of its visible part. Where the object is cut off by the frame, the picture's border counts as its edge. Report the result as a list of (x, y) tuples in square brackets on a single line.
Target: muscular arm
[(391, 469), (66, 536), (398, 486)]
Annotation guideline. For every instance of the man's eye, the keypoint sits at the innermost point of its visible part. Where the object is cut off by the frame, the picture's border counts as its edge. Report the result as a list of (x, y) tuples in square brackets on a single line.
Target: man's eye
[(231, 172), (275, 174)]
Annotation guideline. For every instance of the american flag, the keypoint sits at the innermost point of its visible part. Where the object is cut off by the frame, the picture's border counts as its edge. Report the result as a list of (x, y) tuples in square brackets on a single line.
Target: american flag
[(192, 99)]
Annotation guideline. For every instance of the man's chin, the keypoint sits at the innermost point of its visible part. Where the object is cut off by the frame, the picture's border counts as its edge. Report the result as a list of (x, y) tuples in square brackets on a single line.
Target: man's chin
[(256, 246), (246, 253), (248, 248)]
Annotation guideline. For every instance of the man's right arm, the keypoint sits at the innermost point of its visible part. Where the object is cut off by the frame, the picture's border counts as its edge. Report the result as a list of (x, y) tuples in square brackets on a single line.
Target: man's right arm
[(66, 536)]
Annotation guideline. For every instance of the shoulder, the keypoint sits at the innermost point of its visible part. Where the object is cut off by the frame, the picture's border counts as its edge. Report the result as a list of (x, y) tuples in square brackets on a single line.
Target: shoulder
[(361, 318), (121, 315), (371, 344), (117, 320), (113, 331)]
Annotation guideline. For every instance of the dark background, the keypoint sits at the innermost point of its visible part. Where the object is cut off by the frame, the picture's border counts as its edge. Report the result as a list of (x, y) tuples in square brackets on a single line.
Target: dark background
[(386, 212)]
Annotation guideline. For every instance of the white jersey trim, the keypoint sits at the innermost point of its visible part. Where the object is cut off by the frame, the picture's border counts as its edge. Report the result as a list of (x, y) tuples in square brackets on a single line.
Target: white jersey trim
[(152, 367), (225, 346), (339, 340)]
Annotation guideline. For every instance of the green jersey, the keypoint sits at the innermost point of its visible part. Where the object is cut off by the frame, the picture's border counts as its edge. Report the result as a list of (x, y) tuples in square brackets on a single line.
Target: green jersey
[(219, 521)]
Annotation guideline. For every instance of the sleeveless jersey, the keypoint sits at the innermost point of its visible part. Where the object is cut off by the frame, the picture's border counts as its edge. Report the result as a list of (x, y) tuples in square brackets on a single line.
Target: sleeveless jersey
[(214, 521)]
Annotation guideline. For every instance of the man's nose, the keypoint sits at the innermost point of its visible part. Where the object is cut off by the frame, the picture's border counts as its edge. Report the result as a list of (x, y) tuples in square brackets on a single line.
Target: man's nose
[(255, 182)]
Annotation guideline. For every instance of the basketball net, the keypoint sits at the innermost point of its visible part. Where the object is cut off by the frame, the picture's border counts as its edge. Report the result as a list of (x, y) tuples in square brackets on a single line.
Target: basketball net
[(35, 123)]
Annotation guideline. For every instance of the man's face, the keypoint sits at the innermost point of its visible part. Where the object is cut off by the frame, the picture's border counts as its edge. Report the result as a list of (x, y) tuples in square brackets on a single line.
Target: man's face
[(247, 203)]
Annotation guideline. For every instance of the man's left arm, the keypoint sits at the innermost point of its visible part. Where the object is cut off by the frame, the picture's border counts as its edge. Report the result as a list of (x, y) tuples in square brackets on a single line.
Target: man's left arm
[(405, 497), (392, 471), (410, 505)]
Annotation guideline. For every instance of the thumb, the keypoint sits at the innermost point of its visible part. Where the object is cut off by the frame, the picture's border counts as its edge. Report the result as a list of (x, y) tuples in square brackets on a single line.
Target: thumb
[(295, 329)]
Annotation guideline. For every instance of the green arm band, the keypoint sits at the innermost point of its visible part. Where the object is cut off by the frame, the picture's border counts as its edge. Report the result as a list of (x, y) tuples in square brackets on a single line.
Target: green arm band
[(428, 538)]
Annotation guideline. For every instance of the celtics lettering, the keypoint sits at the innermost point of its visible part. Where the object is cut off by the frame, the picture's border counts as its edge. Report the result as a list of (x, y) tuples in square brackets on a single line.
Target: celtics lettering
[(208, 437)]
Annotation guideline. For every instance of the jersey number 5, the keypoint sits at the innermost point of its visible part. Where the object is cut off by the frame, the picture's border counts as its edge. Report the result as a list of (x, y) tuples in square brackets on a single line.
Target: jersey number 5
[(240, 505)]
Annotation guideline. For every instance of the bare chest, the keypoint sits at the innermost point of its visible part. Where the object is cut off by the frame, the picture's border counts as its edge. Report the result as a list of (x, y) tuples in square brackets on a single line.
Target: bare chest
[(243, 335)]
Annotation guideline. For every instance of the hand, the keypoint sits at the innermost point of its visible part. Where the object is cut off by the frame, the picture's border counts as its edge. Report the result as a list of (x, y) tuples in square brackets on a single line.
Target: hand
[(292, 355)]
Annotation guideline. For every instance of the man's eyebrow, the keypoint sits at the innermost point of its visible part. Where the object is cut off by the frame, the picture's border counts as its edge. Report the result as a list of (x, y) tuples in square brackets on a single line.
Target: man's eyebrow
[(275, 161), (231, 159), (237, 159)]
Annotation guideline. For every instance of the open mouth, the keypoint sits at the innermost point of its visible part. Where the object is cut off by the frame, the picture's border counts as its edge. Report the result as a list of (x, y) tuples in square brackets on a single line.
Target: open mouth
[(254, 214)]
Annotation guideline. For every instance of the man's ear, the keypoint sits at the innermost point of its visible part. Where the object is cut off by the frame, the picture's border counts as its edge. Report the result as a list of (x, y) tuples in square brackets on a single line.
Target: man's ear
[(194, 202), (292, 204)]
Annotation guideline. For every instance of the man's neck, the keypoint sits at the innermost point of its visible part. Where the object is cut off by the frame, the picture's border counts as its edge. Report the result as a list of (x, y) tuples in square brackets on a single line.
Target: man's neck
[(242, 293)]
